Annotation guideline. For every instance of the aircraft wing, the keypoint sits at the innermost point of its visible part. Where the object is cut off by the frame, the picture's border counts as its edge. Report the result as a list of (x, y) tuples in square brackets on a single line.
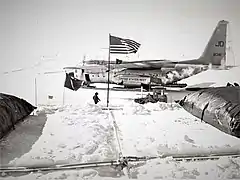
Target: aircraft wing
[(147, 64), (88, 67), (199, 86), (138, 65)]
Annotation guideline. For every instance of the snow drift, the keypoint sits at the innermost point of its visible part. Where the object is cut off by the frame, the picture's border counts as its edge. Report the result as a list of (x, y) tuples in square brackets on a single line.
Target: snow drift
[(220, 107), (12, 110)]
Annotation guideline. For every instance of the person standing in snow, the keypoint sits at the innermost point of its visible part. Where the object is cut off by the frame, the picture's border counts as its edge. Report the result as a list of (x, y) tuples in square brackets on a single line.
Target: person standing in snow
[(96, 98)]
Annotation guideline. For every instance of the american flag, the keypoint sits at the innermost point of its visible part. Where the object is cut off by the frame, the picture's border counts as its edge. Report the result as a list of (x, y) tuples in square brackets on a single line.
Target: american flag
[(123, 46)]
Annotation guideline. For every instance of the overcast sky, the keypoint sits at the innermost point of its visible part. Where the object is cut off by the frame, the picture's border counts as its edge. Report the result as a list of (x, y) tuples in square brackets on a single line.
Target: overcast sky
[(167, 29)]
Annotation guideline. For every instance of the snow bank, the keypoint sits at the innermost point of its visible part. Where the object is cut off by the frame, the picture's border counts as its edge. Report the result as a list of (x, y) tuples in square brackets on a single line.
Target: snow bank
[(217, 77)]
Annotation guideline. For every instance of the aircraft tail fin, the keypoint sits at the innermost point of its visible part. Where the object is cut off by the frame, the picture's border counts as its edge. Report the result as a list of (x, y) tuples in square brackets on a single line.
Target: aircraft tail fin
[(215, 50)]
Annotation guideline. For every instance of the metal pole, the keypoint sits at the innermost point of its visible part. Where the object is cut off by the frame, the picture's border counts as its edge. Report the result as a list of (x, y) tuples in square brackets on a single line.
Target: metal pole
[(35, 91), (108, 71), (64, 91), (149, 86), (63, 96)]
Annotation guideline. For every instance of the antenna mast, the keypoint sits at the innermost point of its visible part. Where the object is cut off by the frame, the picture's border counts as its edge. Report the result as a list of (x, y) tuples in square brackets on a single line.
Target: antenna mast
[(108, 71)]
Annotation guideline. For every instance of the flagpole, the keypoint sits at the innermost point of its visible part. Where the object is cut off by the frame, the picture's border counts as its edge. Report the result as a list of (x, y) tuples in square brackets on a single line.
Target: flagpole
[(108, 70), (35, 83), (63, 98)]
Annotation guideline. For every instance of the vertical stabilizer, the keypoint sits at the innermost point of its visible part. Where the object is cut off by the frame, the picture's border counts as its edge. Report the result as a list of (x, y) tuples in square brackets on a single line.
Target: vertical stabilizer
[(215, 50)]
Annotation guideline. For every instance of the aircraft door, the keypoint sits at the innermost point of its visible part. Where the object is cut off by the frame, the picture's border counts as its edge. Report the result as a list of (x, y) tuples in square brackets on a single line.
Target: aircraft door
[(87, 77)]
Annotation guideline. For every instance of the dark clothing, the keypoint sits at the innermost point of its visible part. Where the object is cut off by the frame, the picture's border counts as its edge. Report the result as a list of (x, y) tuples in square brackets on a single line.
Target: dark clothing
[(96, 99), (236, 84)]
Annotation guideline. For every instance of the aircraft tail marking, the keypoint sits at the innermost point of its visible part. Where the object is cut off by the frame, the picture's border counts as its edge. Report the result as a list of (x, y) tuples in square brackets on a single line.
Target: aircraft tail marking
[(215, 50)]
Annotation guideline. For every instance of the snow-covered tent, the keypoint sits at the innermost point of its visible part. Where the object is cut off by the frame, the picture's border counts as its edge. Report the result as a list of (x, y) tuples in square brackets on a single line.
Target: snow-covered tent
[(12, 110), (219, 107)]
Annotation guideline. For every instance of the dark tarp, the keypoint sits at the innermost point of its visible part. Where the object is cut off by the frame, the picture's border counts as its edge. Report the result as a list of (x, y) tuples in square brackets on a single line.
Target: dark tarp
[(12, 110), (145, 86), (118, 61), (71, 82), (219, 107)]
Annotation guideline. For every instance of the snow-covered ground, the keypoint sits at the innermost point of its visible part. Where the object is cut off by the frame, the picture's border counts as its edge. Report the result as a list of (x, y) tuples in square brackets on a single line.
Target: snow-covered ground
[(84, 133), (80, 131)]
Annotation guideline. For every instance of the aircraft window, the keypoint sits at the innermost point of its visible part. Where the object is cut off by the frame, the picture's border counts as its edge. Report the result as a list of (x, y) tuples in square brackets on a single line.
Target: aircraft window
[(75, 70), (92, 75)]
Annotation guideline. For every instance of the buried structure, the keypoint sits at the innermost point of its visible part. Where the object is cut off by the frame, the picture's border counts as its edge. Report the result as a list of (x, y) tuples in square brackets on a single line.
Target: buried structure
[(219, 107), (12, 110)]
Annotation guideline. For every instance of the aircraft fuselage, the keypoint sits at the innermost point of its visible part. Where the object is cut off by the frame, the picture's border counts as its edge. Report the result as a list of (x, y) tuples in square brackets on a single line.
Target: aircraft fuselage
[(136, 77)]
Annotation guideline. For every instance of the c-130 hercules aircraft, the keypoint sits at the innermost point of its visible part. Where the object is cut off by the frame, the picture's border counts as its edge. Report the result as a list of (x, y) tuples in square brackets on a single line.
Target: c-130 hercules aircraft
[(158, 72)]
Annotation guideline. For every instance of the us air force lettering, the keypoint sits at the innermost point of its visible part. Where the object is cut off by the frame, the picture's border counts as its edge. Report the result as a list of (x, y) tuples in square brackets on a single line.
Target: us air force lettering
[(164, 71)]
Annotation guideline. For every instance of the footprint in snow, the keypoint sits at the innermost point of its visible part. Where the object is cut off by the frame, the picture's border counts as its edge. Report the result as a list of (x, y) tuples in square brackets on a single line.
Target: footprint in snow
[(186, 138)]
